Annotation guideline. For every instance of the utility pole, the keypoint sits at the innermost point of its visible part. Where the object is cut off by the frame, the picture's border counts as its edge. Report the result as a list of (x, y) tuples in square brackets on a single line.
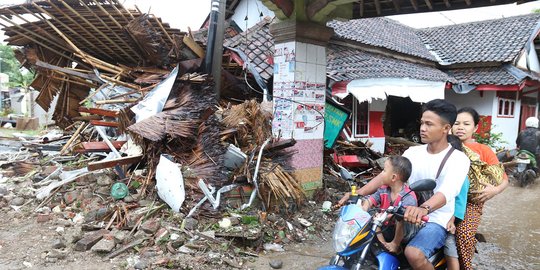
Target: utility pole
[(214, 48)]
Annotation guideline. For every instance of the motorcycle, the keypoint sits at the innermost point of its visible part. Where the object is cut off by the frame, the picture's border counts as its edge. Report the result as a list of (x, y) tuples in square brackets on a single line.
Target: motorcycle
[(355, 235), (525, 172), (519, 165)]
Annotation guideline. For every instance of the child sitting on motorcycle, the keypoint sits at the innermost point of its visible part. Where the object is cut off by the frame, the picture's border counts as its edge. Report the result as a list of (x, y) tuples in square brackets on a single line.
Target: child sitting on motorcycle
[(397, 170)]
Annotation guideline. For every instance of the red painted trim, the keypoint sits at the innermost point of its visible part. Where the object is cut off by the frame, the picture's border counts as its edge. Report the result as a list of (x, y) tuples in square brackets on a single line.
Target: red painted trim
[(532, 83), (236, 58), (339, 87), (493, 87)]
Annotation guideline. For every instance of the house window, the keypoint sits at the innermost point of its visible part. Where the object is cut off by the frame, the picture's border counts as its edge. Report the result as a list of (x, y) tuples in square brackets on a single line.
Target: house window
[(506, 107), (360, 119)]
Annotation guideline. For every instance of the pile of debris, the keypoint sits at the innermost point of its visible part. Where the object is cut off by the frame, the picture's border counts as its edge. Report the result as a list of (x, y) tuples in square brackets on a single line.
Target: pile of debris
[(139, 121)]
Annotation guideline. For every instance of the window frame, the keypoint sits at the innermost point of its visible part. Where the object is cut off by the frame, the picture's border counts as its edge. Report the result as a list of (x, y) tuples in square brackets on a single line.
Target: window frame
[(506, 108), (355, 133)]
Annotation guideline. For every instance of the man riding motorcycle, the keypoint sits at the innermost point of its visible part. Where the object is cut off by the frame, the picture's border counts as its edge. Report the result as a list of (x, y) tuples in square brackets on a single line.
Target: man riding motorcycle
[(529, 139)]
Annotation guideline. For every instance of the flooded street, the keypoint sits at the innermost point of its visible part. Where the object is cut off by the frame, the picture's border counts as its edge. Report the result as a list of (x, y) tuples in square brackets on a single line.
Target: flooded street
[(511, 226)]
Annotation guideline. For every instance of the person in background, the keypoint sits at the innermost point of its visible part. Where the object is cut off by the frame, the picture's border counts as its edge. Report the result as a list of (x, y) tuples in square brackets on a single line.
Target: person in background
[(529, 139), (395, 174), (437, 119), (487, 179)]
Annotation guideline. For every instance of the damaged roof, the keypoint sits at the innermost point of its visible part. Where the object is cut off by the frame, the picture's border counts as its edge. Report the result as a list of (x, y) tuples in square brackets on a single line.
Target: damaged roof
[(345, 64), (383, 33), (500, 75), (258, 45), (96, 26), (499, 40)]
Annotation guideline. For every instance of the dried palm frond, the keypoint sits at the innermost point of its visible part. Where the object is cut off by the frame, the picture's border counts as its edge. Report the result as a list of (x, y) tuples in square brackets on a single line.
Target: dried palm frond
[(278, 187)]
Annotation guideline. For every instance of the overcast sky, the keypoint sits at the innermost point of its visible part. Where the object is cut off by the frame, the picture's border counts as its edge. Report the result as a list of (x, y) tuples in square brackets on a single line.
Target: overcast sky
[(183, 13)]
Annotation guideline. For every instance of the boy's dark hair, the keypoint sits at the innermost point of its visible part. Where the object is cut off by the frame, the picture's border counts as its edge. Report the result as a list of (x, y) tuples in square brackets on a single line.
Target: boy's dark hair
[(472, 112), (402, 167), (446, 110)]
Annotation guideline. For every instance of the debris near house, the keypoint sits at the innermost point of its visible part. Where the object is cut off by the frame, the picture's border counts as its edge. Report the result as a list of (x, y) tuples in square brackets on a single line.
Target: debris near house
[(147, 160)]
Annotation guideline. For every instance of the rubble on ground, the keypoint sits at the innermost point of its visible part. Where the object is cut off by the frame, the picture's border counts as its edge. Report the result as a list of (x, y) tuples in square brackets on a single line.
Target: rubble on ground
[(147, 164)]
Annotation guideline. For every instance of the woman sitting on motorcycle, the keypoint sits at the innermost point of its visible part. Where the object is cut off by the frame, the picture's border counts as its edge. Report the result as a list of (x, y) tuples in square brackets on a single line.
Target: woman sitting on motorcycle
[(397, 170), (484, 175)]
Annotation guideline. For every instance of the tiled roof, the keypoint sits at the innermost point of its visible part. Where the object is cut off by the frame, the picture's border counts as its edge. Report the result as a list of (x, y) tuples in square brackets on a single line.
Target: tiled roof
[(384, 33), (497, 40), (501, 75), (258, 44), (346, 64)]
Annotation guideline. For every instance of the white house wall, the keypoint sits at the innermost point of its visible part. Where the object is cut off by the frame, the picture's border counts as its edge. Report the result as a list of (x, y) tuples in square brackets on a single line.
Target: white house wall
[(509, 127), (528, 60), (483, 105), (252, 9)]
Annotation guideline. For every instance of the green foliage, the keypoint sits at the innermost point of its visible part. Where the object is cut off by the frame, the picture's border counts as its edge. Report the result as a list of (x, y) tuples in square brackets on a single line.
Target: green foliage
[(488, 137), (18, 76)]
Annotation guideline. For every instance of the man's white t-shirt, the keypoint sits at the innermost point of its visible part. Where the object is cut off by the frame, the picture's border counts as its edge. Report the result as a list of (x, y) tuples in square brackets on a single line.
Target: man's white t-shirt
[(426, 165)]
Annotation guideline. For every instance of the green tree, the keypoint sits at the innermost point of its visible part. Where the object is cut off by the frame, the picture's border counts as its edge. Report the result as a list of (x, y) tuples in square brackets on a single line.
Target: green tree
[(18, 76)]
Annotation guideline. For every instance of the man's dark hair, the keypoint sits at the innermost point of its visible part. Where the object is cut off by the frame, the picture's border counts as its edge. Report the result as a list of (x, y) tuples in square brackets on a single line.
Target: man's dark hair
[(446, 110), (472, 112), (402, 167)]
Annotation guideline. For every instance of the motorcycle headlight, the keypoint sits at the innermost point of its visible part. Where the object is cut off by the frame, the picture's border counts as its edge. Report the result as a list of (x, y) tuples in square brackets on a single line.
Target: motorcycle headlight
[(521, 167), (344, 232)]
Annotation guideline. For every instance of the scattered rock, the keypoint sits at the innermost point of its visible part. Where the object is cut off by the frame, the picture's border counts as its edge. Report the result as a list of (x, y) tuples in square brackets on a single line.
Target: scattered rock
[(276, 264), (3, 191), (119, 236), (58, 243), (70, 196), (42, 218), (73, 234), (103, 179), (58, 254), (273, 247), (190, 223), (57, 209), (89, 240), (140, 265), (105, 245), (129, 199), (151, 226), (17, 201)]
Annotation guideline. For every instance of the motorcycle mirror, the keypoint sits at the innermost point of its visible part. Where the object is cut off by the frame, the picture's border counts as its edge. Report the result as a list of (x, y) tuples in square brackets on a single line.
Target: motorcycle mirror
[(345, 174), (423, 185)]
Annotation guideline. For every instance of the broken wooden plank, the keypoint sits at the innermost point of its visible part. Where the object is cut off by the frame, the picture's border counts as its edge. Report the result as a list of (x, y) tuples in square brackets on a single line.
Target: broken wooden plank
[(109, 163), (89, 147), (113, 101), (280, 145), (103, 123), (97, 111), (191, 44)]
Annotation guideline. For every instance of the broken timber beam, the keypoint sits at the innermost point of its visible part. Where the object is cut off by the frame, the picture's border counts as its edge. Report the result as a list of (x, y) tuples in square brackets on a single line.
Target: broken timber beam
[(109, 163), (97, 111), (99, 146), (104, 123)]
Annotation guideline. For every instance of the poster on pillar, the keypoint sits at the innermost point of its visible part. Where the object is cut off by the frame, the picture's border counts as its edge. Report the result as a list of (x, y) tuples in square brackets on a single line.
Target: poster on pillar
[(299, 97)]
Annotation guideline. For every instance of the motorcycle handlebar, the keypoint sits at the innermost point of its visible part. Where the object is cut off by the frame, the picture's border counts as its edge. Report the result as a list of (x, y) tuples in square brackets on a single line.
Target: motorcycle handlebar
[(400, 212)]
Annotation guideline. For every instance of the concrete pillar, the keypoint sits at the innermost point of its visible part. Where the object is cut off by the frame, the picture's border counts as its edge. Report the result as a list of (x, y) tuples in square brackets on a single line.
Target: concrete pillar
[(299, 95)]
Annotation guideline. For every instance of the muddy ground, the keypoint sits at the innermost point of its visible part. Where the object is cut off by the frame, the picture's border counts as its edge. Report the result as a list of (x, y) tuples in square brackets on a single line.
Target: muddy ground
[(510, 226)]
